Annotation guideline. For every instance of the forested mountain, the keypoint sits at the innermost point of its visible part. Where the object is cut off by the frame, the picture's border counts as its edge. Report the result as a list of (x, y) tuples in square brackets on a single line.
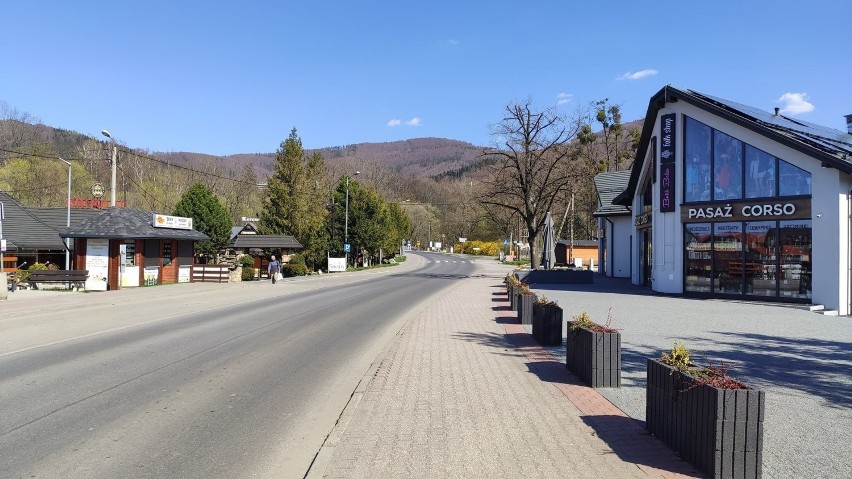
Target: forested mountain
[(436, 180)]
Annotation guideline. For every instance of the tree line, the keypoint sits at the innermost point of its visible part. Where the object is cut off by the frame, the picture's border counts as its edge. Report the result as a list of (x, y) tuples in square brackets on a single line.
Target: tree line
[(540, 160)]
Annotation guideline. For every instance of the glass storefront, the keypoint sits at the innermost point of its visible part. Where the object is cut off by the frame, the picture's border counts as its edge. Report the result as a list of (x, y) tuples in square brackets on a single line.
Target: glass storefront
[(758, 258), (699, 270), (728, 258), (743, 245)]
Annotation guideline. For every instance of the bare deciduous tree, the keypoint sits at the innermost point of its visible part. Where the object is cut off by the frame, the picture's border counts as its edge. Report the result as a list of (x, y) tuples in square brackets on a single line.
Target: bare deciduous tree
[(532, 168)]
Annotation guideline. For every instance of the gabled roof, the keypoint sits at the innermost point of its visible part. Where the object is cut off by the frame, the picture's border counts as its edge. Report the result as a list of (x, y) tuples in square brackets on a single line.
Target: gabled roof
[(609, 185), (248, 228), (587, 243), (25, 232), (57, 218), (126, 223), (265, 241), (833, 148)]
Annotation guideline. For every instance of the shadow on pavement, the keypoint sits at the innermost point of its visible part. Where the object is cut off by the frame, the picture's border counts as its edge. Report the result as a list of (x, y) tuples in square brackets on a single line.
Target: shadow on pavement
[(494, 340), (814, 366)]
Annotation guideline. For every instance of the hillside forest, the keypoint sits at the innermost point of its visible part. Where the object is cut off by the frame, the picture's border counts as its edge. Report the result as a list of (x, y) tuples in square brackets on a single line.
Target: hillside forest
[(442, 186)]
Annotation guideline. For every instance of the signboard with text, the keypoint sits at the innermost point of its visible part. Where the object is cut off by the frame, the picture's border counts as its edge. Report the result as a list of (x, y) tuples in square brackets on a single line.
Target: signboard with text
[(667, 192), (175, 222), (336, 265)]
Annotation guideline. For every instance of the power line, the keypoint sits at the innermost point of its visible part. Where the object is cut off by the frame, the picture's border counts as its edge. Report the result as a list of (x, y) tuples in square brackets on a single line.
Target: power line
[(131, 152)]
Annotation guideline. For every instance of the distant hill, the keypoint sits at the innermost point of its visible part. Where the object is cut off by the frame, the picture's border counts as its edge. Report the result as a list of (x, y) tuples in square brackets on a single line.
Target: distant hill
[(417, 157)]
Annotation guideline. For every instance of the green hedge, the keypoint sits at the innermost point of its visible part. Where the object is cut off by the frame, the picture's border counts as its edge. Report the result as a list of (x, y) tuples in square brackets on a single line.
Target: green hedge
[(289, 270)]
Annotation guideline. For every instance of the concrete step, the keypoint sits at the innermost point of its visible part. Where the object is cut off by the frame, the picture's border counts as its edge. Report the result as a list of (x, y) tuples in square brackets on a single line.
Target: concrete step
[(830, 312), (817, 307)]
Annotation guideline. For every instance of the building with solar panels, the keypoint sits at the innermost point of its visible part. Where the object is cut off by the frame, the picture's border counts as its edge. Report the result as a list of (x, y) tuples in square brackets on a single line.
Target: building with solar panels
[(731, 201)]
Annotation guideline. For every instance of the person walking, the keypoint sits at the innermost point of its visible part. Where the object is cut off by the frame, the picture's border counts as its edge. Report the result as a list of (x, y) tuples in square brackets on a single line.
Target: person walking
[(273, 269)]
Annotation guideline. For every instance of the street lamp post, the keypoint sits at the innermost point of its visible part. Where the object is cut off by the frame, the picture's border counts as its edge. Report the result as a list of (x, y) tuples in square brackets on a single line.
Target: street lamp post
[(68, 216), (112, 166), (346, 216)]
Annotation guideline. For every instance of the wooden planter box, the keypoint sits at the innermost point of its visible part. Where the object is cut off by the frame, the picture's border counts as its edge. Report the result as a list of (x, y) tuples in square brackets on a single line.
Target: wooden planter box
[(719, 431), (547, 324), (593, 357), (525, 307)]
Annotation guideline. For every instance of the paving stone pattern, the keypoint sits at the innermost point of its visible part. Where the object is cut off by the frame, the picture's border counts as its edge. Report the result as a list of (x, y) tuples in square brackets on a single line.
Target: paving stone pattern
[(463, 392)]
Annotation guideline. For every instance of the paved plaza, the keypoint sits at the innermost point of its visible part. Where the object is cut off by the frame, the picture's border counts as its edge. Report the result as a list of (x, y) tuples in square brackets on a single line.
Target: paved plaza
[(802, 359)]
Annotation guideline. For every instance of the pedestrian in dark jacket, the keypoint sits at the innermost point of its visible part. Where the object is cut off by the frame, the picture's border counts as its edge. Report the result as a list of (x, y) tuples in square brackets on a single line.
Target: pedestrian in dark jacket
[(273, 269)]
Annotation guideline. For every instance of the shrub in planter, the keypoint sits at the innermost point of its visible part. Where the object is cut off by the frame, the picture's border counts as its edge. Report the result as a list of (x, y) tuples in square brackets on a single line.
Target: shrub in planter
[(524, 301), (547, 322), (512, 282), (712, 420), (593, 352)]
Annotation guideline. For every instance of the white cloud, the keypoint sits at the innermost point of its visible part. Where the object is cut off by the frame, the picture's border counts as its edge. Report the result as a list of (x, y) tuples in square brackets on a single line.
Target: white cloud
[(452, 42), (564, 98), (638, 75), (795, 103), (412, 122)]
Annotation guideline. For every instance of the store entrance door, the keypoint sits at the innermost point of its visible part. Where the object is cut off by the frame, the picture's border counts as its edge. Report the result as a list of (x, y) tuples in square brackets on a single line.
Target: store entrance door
[(647, 256)]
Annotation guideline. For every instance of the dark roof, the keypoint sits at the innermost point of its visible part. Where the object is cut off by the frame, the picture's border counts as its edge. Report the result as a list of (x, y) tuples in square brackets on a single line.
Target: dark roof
[(609, 185), (248, 228), (578, 242), (25, 232), (265, 241), (833, 148), (126, 223), (57, 218)]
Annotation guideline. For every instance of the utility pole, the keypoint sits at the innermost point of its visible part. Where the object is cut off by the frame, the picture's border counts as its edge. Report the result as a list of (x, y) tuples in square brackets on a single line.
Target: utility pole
[(112, 167)]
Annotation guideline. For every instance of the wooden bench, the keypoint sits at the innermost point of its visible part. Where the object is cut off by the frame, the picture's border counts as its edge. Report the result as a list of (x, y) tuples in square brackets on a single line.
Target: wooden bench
[(76, 278)]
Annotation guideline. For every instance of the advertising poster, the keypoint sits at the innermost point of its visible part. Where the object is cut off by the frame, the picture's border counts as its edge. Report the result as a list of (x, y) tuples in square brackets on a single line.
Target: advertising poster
[(184, 273), (97, 262)]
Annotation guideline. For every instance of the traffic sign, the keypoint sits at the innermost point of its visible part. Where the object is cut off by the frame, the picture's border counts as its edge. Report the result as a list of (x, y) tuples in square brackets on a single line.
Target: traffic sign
[(347, 247)]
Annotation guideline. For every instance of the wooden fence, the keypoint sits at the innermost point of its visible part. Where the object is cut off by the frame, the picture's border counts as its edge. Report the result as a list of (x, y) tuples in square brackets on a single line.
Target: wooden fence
[(210, 273)]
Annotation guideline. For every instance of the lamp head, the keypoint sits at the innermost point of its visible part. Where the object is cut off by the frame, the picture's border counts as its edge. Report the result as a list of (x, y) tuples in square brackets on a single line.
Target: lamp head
[(357, 173), (106, 133)]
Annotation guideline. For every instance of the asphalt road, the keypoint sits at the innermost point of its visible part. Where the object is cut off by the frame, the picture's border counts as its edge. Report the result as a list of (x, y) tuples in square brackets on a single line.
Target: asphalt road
[(237, 380)]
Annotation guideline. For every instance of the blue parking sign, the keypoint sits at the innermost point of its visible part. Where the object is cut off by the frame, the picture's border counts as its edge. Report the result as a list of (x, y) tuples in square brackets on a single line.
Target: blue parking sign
[(346, 247)]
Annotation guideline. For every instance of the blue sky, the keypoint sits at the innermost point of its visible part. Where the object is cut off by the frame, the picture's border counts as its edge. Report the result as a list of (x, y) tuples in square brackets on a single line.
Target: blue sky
[(223, 77)]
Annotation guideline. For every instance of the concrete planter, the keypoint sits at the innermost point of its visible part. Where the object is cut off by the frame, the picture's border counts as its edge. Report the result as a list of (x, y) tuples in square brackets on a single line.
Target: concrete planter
[(719, 431), (594, 357), (547, 324), (513, 296), (525, 307)]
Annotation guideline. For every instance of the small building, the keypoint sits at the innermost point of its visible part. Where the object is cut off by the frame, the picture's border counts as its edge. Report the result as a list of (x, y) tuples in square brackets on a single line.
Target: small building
[(29, 240), (124, 247), (247, 240), (731, 201), (569, 252), (615, 225)]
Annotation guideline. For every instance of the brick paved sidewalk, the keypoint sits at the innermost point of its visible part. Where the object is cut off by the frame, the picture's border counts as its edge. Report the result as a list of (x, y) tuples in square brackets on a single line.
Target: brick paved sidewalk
[(464, 393)]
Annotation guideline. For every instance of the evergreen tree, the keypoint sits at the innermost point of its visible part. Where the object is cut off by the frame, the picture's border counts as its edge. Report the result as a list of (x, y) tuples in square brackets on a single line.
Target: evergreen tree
[(208, 216), (295, 203)]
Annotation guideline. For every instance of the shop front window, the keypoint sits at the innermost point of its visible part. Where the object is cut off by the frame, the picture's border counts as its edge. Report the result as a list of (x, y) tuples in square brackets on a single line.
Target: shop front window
[(728, 258), (793, 181), (728, 167), (760, 173), (698, 161), (761, 264), (130, 255), (796, 241), (698, 256), (167, 253)]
